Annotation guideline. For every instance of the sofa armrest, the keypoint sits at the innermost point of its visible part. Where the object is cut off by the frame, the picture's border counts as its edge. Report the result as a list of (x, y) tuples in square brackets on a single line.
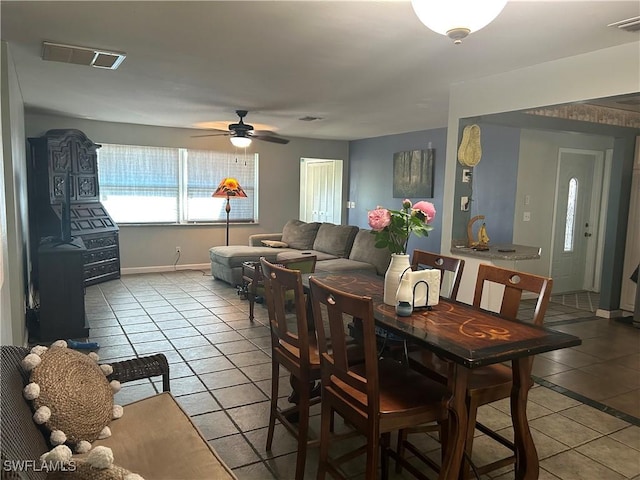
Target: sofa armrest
[(143, 367), (256, 239)]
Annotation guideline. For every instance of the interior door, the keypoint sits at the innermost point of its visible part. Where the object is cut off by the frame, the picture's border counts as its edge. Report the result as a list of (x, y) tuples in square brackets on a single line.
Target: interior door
[(321, 190), (575, 225)]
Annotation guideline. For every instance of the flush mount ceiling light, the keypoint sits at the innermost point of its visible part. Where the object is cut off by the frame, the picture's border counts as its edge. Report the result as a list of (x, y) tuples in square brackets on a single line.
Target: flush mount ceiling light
[(457, 18), (240, 141)]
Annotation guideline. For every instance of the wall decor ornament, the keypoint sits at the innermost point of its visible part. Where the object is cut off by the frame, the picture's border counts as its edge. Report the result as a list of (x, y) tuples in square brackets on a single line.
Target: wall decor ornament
[(413, 173)]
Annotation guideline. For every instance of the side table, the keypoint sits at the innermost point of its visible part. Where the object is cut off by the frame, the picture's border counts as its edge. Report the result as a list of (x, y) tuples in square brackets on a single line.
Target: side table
[(251, 279)]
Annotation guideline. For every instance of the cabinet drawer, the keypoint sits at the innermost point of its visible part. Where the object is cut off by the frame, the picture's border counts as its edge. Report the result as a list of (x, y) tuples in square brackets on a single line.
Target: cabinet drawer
[(108, 240), (99, 272), (96, 256)]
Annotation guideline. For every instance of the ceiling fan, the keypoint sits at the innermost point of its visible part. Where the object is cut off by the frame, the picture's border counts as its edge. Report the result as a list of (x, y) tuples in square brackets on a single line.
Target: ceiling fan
[(242, 133)]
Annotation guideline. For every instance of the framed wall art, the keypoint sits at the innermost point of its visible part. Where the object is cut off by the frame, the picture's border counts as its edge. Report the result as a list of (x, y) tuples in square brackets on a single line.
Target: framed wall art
[(413, 174)]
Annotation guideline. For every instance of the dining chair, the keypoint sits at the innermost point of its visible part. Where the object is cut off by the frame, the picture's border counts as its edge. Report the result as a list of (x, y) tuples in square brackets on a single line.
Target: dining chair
[(376, 396), (253, 285), (493, 382), (294, 348), (450, 268)]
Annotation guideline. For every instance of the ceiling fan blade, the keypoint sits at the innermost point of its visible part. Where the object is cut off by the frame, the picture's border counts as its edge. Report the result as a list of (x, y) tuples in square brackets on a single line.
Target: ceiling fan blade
[(266, 137), (221, 134)]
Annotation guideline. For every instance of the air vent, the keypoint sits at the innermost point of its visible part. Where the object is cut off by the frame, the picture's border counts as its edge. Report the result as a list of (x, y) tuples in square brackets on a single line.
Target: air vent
[(56, 52), (309, 118), (629, 25)]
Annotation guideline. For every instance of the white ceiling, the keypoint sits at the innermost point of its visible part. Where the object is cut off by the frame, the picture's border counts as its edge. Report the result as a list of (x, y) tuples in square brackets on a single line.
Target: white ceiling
[(367, 68)]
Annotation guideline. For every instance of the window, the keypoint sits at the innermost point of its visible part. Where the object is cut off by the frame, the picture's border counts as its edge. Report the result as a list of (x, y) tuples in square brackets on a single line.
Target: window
[(570, 223), (141, 184)]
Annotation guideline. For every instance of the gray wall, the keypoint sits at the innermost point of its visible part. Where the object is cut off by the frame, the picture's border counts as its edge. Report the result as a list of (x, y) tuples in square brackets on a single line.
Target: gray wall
[(371, 173), (13, 208), (279, 184), (537, 178)]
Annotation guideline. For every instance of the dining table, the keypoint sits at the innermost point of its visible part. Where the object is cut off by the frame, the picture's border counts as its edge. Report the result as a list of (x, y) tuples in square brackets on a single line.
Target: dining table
[(468, 337)]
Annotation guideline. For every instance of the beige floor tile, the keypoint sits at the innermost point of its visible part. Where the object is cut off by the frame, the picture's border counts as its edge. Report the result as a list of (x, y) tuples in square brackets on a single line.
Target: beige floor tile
[(564, 430), (554, 401), (572, 465), (595, 419), (630, 436), (614, 455)]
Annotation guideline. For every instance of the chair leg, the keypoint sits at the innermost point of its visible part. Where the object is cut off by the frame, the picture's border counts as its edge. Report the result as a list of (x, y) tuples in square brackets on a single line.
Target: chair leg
[(402, 437), (303, 429), (472, 409), (275, 377), (373, 450), (384, 455), (325, 426)]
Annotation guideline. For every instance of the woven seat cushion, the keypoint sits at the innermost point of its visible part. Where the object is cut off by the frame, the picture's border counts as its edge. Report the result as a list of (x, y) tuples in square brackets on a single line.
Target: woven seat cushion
[(76, 391), (156, 439)]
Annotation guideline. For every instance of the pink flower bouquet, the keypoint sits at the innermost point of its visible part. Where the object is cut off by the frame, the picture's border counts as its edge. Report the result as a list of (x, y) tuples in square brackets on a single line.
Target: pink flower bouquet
[(392, 228)]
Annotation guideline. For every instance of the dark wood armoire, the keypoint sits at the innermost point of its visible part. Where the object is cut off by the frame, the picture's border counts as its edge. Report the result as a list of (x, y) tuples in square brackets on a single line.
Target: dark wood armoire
[(55, 156)]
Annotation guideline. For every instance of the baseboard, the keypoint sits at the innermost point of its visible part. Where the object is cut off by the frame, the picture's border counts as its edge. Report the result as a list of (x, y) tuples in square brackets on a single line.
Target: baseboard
[(165, 268), (608, 313)]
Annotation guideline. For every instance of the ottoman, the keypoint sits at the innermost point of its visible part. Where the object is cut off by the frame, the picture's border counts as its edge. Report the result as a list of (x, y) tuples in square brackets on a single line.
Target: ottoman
[(226, 261)]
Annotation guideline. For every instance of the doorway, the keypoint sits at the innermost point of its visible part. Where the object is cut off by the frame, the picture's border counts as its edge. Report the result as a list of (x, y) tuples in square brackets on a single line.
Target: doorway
[(321, 190), (576, 249)]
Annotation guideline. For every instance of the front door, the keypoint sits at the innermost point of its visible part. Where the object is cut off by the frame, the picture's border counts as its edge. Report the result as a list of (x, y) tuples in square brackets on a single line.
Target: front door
[(576, 222)]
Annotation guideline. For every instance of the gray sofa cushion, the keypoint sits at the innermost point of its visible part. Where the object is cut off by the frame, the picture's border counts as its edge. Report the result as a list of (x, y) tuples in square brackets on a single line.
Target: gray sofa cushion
[(300, 235), (344, 265), (233, 255), (364, 250), (335, 239), (286, 254)]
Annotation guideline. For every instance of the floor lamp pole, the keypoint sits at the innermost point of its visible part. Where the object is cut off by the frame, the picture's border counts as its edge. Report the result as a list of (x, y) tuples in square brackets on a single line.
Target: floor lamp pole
[(227, 208)]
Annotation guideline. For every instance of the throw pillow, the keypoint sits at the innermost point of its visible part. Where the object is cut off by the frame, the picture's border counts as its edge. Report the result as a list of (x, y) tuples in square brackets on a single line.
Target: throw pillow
[(274, 244), (335, 239), (71, 395), (98, 465), (300, 235)]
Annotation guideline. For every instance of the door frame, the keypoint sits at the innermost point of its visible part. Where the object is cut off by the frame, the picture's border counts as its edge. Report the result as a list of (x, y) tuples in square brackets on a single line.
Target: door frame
[(337, 185), (597, 218)]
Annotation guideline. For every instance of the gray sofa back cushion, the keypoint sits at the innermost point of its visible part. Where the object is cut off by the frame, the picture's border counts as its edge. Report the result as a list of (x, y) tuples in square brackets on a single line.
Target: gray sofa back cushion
[(364, 250), (335, 239), (300, 235)]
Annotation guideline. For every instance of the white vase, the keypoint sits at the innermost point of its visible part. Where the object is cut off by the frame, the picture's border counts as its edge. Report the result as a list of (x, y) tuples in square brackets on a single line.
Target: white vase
[(399, 263)]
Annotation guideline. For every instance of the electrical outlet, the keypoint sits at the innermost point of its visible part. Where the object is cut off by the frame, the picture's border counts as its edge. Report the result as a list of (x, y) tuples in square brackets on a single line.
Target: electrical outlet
[(464, 204), (178, 250), (526, 217), (466, 175)]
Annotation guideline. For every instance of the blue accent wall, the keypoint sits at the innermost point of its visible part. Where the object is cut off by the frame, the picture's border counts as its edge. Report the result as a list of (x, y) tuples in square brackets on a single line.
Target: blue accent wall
[(495, 181), (371, 178)]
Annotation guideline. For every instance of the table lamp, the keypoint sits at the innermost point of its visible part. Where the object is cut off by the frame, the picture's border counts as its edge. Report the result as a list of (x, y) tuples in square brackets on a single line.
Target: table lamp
[(229, 187)]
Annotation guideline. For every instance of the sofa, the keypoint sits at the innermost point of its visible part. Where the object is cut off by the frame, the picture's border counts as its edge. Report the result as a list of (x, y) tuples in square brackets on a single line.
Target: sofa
[(337, 248), (154, 438)]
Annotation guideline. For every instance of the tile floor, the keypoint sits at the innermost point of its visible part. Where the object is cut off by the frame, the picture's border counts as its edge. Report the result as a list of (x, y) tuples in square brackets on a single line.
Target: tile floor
[(584, 409)]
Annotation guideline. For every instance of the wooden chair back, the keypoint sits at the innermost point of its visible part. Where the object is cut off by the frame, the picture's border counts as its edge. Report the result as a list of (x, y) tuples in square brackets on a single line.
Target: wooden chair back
[(279, 284), (515, 284), (454, 266), (332, 310)]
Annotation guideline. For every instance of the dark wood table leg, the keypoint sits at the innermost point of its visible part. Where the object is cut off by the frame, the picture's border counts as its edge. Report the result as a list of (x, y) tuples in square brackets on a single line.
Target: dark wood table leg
[(457, 424), (251, 296), (527, 466), (294, 398)]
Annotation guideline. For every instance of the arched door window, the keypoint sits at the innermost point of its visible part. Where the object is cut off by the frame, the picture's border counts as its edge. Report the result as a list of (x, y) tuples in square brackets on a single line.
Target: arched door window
[(570, 223)]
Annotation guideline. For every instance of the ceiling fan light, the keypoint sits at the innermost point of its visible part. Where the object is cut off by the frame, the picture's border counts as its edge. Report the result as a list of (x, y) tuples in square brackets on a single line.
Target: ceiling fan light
[(457, 18), (240, 142)]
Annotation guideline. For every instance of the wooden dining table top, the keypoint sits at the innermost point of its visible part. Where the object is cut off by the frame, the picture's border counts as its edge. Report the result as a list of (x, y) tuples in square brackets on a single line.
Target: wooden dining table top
[(464, 334)]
